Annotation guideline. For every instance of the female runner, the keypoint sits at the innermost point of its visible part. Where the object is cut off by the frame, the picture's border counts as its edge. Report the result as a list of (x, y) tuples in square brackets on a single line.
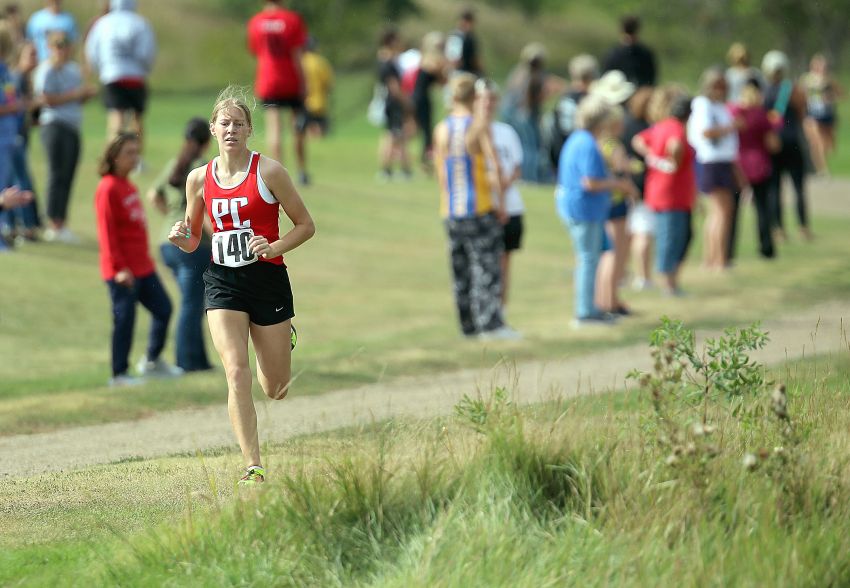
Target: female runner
[(247, 291)]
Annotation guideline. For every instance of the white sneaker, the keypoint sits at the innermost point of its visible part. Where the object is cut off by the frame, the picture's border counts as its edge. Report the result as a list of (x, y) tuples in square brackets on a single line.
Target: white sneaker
[(503, 333), (124, 380), (600, 319), (63, 235), (158, 369), (641, 284)]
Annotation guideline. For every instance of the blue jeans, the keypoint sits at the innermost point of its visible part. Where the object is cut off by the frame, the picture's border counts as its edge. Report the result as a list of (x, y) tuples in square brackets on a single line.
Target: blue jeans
[(529, 135), (587, 241), (25, 216), (671, 238), (149, 291), (5, 181), (188, 270)]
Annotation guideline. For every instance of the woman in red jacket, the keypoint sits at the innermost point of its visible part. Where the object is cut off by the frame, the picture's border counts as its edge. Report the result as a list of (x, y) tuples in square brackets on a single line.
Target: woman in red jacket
[(126, 264)]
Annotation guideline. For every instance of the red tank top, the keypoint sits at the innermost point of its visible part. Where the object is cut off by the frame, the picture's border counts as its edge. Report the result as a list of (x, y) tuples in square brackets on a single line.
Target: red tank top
[(247, 205)]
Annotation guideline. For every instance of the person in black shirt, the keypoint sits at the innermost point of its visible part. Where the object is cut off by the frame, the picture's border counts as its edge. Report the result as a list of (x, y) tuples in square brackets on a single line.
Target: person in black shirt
[(433, 70), (633, 58), (393, 145), (462, 46)]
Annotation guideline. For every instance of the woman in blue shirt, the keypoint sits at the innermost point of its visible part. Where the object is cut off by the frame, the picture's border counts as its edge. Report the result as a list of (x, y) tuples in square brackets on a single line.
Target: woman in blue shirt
[(583, 199)]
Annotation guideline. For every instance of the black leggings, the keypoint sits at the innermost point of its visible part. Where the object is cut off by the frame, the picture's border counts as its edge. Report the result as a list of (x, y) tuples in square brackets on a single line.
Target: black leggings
[(761, 200), (62, 145), (422, 111), (794, 165)]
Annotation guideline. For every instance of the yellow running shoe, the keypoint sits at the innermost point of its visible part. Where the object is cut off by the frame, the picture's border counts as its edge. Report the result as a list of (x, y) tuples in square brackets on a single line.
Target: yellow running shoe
[(254, 475)]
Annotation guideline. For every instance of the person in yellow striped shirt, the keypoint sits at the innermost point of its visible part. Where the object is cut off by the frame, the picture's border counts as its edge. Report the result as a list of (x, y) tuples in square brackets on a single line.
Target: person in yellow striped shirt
[(467, 167)]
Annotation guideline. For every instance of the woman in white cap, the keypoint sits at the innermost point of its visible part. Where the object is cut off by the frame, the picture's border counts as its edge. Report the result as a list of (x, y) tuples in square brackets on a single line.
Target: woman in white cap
[(616, 90), (786, 103)]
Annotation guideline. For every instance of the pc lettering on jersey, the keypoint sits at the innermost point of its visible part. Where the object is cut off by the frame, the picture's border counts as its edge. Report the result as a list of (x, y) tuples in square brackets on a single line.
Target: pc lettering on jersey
[(230, 247), (239, 213), (221, 207)]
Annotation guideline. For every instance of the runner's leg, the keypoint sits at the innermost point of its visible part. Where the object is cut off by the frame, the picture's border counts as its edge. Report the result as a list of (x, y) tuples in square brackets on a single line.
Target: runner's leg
[(229, 331), (273, 345)]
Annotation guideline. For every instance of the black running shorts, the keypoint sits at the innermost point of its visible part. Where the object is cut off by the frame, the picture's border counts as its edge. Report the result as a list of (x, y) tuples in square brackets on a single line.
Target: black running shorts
[(296, 103), (118, 97), (513, 233), (260, 289)]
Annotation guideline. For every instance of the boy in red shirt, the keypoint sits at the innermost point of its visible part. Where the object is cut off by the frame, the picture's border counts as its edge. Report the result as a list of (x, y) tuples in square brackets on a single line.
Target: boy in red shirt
[(276, 37), (670, 188), (126, 265)]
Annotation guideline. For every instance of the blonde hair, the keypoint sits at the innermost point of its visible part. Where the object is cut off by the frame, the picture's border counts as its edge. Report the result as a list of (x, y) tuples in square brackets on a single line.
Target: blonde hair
[(234, 97), (463, 88), (711, 77), (738, 55), (584, 67), (433, 50), (593, 112), (433, 42), (661, 101), (532, 52)]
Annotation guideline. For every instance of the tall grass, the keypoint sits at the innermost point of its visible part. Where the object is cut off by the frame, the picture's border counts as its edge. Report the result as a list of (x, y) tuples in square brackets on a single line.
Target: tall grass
[(559, 495)]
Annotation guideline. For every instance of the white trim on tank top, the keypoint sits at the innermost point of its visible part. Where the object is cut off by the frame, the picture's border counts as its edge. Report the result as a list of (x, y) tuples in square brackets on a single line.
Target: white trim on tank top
[(265, 193), (215, 177)]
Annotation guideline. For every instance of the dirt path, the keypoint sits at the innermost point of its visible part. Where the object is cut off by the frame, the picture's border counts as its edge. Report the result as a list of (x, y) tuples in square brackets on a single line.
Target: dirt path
[(819, 330), (200, 429)]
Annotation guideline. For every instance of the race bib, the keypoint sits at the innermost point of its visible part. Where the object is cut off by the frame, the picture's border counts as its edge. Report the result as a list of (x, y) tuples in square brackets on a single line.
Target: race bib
[(230, 248)]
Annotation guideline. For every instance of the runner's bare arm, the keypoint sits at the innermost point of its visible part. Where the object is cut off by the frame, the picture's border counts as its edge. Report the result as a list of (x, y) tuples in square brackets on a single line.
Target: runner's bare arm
[(186, 234), (278, 181)]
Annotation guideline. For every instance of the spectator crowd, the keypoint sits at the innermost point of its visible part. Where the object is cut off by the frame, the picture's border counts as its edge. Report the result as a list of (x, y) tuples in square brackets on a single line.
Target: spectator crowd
[(631, 159)]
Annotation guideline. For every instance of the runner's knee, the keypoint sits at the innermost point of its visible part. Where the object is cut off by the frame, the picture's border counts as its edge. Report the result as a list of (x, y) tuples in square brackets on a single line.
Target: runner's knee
[(238, 376), (278, 390)]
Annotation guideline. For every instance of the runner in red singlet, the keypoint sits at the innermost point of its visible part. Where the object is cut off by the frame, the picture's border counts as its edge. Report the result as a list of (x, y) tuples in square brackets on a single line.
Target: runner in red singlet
[(246, 285)]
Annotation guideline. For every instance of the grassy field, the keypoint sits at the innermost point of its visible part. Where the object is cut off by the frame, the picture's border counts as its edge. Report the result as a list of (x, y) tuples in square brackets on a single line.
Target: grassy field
[(571, 492), (372, 289)]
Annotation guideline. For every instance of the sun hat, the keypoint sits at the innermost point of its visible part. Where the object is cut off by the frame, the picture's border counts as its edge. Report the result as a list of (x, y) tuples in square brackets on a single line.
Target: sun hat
[(613, 87), (774, 62)]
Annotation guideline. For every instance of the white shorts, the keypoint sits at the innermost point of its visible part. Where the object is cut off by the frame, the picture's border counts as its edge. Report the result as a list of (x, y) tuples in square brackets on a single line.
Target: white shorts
[(641, 220)]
